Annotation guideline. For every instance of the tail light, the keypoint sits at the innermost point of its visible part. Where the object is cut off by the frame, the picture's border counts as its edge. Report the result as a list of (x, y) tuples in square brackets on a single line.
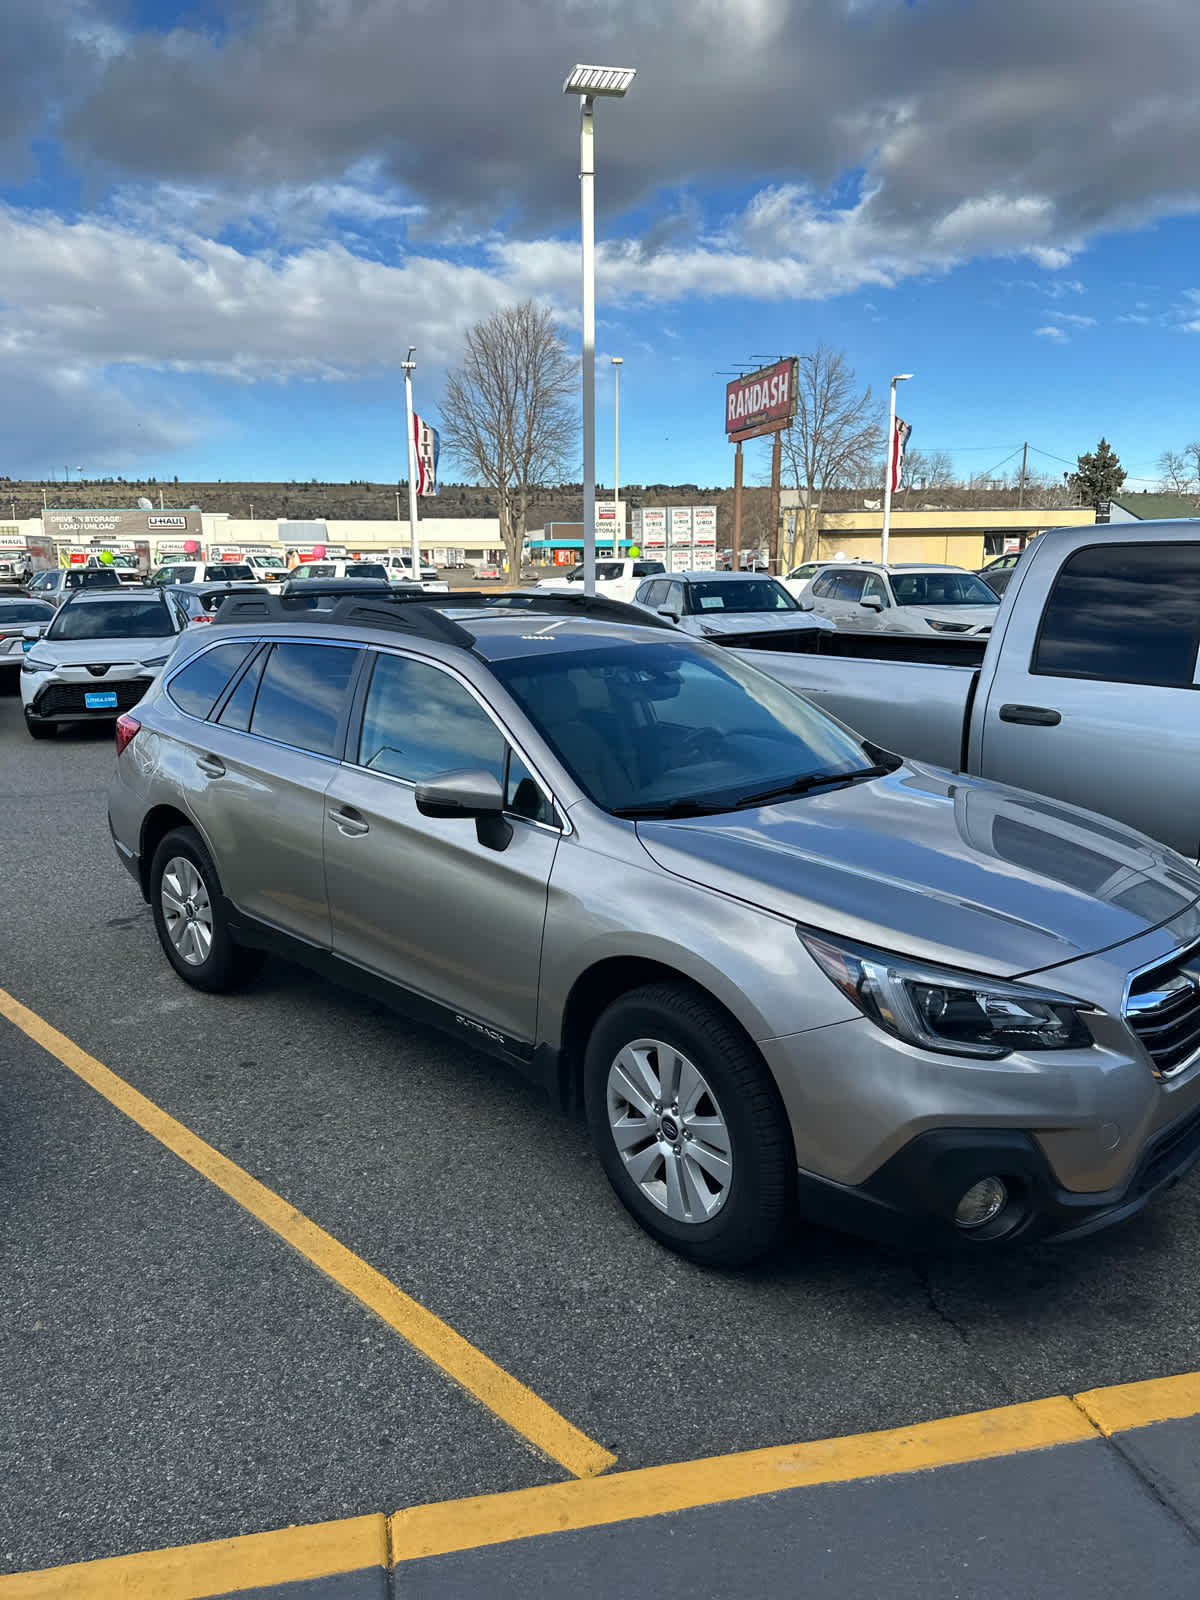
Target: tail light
[(127, 727)]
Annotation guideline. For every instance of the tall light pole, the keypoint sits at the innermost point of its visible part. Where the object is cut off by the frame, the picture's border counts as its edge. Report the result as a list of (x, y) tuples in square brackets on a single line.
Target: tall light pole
[(900, 377), (588, 82), (408, 366), (617, 526)]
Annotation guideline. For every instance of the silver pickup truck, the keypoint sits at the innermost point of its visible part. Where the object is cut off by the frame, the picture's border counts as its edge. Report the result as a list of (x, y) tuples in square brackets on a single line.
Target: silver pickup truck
[(1087, 689)]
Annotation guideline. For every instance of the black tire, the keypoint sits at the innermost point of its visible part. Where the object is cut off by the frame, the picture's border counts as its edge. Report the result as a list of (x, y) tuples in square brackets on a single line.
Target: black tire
[(760, 1192), (41, 730), (227, 964)]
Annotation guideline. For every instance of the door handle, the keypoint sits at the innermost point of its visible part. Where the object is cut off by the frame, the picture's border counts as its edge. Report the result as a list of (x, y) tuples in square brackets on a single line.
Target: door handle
[(350, 823), (211, 766), (1033, 716)]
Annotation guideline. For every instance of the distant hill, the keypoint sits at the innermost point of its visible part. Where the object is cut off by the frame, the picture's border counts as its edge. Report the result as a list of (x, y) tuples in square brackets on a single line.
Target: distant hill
[(377, 501)]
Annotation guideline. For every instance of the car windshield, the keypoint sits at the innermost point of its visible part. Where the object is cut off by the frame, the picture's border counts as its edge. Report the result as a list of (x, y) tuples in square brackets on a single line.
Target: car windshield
[(90, 578), (664, 727), (119, 619), (740, 594), (606, 571), (274, 563), (942, 589)]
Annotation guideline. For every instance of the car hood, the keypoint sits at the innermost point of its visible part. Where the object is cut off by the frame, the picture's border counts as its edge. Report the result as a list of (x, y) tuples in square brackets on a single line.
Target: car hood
[(84, 652), (946, 869), (746, 623), (972, 616)]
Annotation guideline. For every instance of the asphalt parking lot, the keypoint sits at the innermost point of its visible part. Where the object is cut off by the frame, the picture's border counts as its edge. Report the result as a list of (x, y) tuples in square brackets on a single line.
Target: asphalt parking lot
[(171, 1370)]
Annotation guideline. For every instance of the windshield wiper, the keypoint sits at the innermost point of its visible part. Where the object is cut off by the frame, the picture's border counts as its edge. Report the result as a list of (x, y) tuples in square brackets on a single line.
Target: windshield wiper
[(811, 780), (673, 808)]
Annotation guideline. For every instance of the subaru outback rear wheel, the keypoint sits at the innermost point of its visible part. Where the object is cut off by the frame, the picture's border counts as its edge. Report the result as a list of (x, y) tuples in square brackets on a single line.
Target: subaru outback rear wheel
[(189, 916), (689, 1125)]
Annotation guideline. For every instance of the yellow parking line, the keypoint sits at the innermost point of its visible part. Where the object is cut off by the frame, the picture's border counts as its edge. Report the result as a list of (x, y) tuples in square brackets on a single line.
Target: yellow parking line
[(229, 1565), (524, 1513), (257, 1560), (525, 1412)]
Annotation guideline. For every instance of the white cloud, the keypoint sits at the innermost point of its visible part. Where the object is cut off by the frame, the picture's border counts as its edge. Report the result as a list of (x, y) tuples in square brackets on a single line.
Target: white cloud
[(1073, 320), (1055, 335)]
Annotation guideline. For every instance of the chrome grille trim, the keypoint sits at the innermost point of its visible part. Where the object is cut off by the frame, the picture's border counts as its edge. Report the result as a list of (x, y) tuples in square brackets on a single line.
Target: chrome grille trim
[(1162, 1008)]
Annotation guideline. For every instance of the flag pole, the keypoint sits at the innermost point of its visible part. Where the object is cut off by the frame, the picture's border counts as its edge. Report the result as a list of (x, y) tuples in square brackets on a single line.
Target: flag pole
[(413, 516)]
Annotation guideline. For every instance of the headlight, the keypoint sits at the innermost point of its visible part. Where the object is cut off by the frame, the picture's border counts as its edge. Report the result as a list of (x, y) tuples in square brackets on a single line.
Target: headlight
[(948, 627), (941, 1009), (155, 661), (36, 664)]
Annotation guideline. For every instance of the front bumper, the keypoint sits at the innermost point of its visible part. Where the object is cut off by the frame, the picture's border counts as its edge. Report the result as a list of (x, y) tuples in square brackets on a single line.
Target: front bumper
[(912, 1198), (57, 699)]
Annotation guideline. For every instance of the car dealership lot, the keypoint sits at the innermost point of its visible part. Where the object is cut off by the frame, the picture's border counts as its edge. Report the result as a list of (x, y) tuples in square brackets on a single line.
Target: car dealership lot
[(171, 1370)]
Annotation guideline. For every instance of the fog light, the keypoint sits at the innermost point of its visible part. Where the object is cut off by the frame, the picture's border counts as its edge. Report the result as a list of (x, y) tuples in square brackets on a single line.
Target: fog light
[(982, 1203)]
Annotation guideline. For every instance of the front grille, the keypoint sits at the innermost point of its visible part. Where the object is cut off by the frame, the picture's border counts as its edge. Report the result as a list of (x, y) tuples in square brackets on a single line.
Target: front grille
[(1163, 1009), (66, 699)]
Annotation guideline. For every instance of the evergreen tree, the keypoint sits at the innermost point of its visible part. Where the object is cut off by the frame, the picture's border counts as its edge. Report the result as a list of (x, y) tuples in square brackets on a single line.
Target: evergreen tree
[(1099, 477)]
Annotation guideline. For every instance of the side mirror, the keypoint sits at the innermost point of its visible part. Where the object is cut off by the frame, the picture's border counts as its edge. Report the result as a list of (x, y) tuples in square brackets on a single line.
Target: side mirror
[(669, 612), (467, 793), (872, 603), (804, 601), (33, 633)]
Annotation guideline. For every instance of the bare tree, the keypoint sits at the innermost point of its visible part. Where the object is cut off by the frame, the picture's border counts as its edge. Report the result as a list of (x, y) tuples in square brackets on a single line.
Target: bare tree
[(832, 439), (1178, 473), (929, 469), (507, 413)]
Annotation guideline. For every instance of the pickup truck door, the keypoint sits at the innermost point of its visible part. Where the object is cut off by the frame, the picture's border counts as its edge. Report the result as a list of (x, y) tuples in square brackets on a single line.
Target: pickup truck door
[(1094, 698)]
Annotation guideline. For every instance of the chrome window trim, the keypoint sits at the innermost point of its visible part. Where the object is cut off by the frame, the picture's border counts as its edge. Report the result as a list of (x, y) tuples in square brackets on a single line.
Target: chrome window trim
[(535, 772)]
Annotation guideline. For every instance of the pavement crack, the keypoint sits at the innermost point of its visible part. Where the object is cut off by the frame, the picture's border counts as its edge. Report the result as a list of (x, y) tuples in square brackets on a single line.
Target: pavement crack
[(923, 1272)]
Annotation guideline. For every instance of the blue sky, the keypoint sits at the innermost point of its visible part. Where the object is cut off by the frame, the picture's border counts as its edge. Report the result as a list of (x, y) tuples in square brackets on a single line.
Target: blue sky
[(222, 223)]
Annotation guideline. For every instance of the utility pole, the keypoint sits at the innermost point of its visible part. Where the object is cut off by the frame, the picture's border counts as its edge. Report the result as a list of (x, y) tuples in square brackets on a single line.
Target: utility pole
[(1021, 488), (735, 554), (776, 481)]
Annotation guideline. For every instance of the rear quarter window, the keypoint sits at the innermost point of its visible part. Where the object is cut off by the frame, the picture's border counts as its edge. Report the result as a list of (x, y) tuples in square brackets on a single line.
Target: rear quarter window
[(197, 687)]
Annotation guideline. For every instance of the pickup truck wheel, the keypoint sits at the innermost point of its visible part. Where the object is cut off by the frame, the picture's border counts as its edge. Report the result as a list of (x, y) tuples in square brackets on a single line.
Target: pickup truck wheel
[(189, 916), (689, 1125)]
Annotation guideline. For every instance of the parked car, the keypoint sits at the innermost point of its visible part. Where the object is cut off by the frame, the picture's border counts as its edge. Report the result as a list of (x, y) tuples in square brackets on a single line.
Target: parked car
[(726, 605), (60, 583), (309, 571), (98, 657), (998, 572), (267, 568), (772, 961), (618, 579), (800, 578), (204, 572), (18, 616), (201, 600), (904, 599), (399, 570), (1085, 691)]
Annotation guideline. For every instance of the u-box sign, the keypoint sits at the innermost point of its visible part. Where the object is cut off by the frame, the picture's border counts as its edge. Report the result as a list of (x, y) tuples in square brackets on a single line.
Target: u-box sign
[(762, 401)]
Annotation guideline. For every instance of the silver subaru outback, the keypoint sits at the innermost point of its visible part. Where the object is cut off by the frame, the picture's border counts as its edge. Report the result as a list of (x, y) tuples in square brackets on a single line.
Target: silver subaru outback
[(778, 967)]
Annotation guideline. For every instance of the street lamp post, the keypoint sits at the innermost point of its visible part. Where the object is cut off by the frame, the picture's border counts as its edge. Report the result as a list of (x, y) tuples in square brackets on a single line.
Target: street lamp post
[(900, 377), (588, 82), (617, 526)]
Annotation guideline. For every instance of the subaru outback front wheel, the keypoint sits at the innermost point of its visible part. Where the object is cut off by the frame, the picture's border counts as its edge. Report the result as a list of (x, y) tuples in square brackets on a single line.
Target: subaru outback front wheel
[(189, 916), (689, 1125)]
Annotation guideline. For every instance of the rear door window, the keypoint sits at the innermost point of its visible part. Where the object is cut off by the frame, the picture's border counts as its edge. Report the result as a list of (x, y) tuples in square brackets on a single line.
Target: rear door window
[(1124, 613), (197, 687), (303, 694)]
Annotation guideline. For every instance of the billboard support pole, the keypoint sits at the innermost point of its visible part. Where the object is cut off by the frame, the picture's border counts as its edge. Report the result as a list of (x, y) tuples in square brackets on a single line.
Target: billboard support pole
[(776, 479), (735, 554)]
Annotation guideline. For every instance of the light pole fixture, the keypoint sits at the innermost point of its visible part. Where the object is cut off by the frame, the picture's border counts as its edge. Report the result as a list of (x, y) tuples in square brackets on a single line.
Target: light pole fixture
[(900, 377), (587, 83), (617, 362), (407, 365)]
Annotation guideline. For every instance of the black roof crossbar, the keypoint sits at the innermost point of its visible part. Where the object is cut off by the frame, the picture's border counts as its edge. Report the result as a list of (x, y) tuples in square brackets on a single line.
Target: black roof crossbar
[(553, 603), (421, 613)]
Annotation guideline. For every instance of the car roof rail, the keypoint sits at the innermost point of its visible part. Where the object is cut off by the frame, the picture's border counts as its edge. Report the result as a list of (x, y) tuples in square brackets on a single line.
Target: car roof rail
[(553, 603), (369, 607)]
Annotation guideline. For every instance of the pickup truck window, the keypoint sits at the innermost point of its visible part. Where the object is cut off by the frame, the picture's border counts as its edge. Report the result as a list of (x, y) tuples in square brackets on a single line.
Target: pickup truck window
[(1124, 613), (643, 569), (839, 585)]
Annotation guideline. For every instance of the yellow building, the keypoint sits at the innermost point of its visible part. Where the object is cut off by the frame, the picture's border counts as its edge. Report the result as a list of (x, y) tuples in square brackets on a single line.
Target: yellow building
[(960, 538)]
